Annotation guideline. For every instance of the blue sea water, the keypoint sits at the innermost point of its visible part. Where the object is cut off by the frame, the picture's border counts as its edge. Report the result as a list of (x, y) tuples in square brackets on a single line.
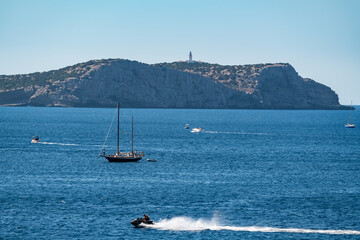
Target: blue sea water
[(252, 174)]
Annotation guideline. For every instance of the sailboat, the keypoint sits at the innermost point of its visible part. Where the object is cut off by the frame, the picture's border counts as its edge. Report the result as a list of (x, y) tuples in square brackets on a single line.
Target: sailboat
[(132, 156), (349, 124)]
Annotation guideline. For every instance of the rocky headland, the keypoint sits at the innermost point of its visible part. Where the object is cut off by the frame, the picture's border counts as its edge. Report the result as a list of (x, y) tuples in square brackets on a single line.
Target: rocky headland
[(102, 83)]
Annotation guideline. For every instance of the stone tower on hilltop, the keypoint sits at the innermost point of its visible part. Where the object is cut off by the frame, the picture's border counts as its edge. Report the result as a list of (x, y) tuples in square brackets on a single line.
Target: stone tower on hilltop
[(190, 57)]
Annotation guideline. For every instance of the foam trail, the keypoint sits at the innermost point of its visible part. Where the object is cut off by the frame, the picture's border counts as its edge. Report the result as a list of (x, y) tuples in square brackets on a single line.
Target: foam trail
[(290, 230), (189, 224), (240, 133), (62, 144)]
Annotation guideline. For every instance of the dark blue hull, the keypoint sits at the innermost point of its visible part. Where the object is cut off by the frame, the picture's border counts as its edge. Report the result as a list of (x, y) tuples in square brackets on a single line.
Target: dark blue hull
[(122, 159)]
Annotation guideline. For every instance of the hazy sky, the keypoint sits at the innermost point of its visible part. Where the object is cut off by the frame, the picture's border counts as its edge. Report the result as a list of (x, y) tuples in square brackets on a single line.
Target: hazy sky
[(320, 38)]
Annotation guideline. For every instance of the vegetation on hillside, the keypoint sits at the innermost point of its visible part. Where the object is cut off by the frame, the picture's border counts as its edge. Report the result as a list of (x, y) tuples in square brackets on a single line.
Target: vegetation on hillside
[(44, 78), (240, 77)]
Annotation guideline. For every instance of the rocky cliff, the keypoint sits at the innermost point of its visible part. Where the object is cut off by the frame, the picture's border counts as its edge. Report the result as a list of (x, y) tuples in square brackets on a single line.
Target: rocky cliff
[(101, 83)]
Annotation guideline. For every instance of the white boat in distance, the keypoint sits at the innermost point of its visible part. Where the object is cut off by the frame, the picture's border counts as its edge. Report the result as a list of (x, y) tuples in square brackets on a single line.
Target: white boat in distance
[(350, 124), (196, 130)]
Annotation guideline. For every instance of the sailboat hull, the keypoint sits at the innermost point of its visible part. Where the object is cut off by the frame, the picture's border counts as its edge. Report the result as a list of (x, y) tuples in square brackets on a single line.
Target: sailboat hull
[(122, 159)]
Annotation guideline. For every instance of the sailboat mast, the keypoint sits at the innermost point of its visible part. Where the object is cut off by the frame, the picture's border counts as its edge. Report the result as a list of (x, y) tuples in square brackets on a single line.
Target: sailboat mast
[(351, 113), (132, 135), (118, 107)]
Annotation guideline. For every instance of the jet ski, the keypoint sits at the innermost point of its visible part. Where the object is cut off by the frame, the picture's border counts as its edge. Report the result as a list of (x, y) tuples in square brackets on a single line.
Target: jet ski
[(35, 139), (141, 222)]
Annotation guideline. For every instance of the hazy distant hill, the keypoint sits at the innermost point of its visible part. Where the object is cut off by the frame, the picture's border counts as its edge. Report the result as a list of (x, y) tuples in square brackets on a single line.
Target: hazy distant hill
[(101, 83)]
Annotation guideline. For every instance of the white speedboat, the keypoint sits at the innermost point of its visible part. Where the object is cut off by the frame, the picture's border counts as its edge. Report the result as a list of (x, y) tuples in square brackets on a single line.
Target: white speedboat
[(350, 125), (196, 130)]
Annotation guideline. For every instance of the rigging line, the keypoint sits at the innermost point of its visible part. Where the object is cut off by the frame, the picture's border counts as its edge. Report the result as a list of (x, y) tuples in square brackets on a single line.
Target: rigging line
[(109, 130)]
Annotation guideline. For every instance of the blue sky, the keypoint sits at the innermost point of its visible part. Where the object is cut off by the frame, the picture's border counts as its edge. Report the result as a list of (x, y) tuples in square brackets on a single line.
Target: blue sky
[(320, 38)]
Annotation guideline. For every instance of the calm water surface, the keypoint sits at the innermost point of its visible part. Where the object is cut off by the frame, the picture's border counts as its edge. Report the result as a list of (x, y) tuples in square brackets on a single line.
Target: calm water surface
[(252, 174)]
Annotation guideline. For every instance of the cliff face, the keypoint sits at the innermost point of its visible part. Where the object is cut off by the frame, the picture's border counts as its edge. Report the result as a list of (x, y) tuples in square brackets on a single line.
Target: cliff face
[(281, 86), (266, 86), (102, 83)]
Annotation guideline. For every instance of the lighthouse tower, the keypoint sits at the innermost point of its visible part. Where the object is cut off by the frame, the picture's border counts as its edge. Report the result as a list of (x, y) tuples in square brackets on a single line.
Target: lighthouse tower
[(190, 58)]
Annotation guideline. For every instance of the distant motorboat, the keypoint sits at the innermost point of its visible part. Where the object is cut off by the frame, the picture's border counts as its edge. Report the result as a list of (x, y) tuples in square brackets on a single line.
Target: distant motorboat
[(35, 139), (151, 160), (196, 130), (186, 126)]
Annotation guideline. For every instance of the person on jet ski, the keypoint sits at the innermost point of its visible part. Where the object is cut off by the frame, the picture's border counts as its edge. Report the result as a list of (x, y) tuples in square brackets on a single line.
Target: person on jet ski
[(146, 218)]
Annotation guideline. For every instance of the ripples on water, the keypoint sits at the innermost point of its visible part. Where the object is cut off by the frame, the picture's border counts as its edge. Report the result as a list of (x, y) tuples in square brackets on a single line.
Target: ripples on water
[(250, 175)]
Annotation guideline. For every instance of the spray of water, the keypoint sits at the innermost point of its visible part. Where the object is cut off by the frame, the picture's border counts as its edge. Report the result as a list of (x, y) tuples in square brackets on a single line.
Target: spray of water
[(190, 224), (186, 224)]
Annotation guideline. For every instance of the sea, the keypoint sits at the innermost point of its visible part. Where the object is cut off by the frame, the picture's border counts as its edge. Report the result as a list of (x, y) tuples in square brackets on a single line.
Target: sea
[(251, 174)]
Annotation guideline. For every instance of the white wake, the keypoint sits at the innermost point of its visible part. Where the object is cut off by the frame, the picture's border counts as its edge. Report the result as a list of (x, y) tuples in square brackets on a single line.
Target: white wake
[(240, 133), (190, 224), (62, 144)]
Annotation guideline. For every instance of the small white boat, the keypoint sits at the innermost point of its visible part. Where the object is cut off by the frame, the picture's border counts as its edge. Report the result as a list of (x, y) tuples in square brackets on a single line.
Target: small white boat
[(151, 160), (350, 125), (196, 130), (35, 139), (186, 126)]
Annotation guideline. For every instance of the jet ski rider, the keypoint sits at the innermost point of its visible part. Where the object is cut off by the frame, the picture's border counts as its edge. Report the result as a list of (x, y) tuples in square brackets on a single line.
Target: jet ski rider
[(146, 218)]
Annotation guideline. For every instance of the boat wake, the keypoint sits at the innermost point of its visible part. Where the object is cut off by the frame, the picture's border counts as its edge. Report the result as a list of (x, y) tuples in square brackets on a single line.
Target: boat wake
[(240, 133), (62, 144), (190, 224)]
